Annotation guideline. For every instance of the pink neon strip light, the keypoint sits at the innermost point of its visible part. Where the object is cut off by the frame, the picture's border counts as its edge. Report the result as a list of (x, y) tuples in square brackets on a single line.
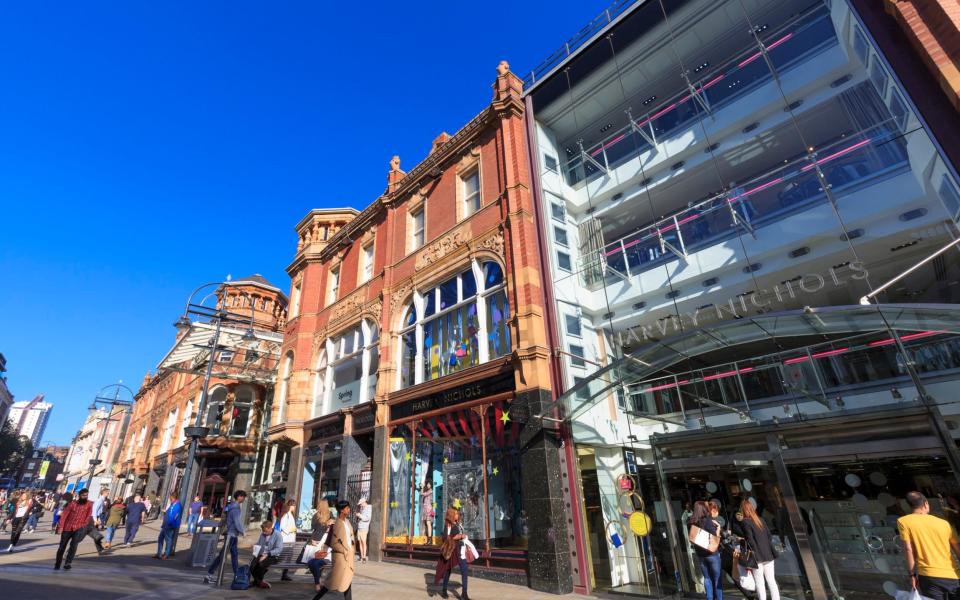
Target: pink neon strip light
[(904, 338), (726, 374), (758, 53), (800, 359), (608, 144), (759, 188), (837, 154), (665, 386)]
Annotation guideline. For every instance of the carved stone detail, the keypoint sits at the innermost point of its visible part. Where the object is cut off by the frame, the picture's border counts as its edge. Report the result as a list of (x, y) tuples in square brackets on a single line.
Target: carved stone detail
[(494, 243), (398, 298), (438, 249), (351, 305)]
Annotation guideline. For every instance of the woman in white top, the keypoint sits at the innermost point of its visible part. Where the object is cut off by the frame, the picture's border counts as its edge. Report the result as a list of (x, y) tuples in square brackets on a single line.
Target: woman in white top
[(20, 515), (288, 531)]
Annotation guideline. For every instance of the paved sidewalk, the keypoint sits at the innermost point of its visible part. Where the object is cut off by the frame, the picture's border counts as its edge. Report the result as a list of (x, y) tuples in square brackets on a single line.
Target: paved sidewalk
[(132, 574)]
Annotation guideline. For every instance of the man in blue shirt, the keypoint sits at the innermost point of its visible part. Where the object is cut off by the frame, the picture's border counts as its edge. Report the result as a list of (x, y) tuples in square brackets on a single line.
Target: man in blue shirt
[(171, 524), (136, 514)]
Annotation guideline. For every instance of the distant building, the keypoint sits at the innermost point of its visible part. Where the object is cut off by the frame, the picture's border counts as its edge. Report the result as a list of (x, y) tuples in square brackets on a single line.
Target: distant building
[(30, 418), (41, 470), (6, 398), (85, 445)]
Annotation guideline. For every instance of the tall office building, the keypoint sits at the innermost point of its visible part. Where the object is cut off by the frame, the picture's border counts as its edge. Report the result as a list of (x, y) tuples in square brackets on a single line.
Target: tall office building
[(30, 418), (749, 208)]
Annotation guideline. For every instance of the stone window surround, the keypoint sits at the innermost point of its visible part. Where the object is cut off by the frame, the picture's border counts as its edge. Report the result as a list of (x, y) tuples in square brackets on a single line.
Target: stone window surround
[(468, 165)]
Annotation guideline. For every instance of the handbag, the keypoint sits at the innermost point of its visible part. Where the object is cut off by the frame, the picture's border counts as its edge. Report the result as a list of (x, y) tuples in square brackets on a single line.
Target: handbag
[(309, 552), (704, 539), (446, 549), (471, 553)]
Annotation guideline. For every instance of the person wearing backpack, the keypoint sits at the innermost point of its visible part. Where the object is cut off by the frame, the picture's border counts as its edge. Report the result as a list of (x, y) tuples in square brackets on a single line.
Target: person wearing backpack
[(704, 516), (233, 528), (760, 543)]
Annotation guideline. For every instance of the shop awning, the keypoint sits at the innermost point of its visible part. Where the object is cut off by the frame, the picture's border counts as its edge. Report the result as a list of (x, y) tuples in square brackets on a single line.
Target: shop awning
[(192, 349), (656, 356)]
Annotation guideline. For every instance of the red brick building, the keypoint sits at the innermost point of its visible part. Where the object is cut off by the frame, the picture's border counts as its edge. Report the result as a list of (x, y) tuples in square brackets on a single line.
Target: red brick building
[(154, 452), (415, 354)]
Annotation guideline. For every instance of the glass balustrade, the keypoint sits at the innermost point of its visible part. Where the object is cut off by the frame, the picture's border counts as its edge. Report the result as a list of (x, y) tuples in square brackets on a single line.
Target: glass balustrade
[(848, 164), (785, 48), (822, 374)]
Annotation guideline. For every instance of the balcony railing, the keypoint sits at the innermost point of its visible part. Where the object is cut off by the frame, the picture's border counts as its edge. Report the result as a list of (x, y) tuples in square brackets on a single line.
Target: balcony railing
[(712, 89), (824, 374), (848, 164)]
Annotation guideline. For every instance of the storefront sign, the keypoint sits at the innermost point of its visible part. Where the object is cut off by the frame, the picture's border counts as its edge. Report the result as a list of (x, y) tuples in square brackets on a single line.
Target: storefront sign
[(43, 469), (347, 394), (327, 430), (465, 393)]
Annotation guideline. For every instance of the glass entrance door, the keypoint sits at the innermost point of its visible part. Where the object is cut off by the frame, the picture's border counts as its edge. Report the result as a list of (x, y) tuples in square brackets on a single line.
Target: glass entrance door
[(752, 481)]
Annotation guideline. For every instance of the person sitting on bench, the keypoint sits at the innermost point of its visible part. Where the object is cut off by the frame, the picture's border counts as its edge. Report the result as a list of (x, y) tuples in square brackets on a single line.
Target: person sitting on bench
[(266, 553)]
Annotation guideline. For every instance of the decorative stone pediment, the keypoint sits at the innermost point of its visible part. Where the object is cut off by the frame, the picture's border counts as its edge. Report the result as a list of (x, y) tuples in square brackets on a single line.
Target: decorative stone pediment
[(435, 251), (351, 305)]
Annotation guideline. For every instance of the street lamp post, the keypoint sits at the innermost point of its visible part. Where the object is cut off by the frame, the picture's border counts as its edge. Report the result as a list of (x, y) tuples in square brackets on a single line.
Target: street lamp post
[(101, 400), (216, 315)]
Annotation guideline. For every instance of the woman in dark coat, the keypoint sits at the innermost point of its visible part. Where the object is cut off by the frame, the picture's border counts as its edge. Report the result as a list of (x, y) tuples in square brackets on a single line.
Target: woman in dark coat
[(709, 561), (760, 544)]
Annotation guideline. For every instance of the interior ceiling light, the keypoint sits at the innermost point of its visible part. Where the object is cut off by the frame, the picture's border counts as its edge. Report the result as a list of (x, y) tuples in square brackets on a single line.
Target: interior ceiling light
[(702, 67), (649, 100), (606, 127), (759, 28)]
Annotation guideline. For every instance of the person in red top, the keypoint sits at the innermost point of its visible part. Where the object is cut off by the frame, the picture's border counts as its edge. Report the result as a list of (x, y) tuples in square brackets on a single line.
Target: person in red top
[(73, 526)]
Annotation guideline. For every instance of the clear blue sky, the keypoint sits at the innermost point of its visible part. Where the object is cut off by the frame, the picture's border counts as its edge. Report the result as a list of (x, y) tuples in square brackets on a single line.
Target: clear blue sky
[(148, 147)]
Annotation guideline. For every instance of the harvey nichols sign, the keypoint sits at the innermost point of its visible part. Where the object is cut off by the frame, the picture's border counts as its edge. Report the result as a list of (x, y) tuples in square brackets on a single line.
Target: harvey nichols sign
[(503, 382)]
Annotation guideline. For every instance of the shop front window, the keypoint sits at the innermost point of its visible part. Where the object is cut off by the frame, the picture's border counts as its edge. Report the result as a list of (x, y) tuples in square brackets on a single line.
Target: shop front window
[(438, 463), (399, 494), (215, 404), (456, 325)]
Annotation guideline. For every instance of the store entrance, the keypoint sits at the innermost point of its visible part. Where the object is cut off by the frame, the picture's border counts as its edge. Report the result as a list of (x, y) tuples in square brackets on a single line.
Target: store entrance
[(733, 483)]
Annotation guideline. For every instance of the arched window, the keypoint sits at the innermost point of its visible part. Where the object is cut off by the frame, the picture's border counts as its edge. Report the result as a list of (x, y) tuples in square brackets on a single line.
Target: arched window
[(285, 386), (215, 402), (240, 416), (456, 325), (349, 377)]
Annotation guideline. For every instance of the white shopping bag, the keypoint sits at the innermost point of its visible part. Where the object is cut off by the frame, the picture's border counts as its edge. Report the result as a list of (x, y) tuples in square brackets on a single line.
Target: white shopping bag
[(910, 595), (746, 579)]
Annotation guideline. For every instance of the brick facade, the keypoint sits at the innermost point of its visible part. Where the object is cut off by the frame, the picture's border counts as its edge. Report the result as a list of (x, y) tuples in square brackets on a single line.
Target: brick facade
[(503, 230)]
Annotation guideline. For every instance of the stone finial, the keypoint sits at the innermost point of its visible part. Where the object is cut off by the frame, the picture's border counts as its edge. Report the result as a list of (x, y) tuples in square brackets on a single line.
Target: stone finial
[(507, 87), (503, 68), (395, 175), (439, 141)]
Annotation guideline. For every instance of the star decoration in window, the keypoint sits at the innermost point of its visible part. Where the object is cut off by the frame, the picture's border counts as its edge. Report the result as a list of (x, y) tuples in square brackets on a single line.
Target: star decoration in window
[(505, 417)]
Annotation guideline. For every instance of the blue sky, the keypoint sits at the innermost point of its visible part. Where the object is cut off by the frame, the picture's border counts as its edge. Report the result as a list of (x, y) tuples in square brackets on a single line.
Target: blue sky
[(148, 147)]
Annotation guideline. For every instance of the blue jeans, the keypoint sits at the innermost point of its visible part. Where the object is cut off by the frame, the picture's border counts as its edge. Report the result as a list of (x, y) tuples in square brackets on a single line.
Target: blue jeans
[(131, 532), (232, 544), (192, 523), (165, 537), (463, 577), (316, 566), (111, 529), (32, 521), (712, 576)]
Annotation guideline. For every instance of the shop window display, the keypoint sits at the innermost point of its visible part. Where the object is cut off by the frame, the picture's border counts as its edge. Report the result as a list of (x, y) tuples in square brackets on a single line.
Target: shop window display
[(438, 462), (456, 325)]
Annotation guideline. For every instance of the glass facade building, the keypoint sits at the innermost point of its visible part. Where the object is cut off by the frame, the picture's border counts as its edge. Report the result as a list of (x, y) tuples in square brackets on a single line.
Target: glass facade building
[(751, 232)]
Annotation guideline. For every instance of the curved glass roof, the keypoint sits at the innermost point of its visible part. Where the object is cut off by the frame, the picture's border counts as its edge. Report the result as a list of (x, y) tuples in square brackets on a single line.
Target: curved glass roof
[(648, 360)]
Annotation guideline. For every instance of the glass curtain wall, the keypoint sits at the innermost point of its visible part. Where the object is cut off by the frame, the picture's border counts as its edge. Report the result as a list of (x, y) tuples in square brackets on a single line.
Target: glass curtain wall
[(752, 156)]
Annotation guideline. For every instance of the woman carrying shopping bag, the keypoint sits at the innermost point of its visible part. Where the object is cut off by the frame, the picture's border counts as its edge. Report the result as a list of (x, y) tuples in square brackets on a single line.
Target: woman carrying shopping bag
[(760, 544)]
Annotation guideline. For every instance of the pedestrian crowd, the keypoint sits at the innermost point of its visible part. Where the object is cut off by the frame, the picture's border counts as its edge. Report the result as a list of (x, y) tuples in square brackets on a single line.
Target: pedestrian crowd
[(337, 539)]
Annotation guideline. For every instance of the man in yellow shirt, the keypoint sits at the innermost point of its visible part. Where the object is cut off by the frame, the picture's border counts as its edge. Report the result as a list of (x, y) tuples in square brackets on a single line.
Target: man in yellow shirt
[(927, 542)]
